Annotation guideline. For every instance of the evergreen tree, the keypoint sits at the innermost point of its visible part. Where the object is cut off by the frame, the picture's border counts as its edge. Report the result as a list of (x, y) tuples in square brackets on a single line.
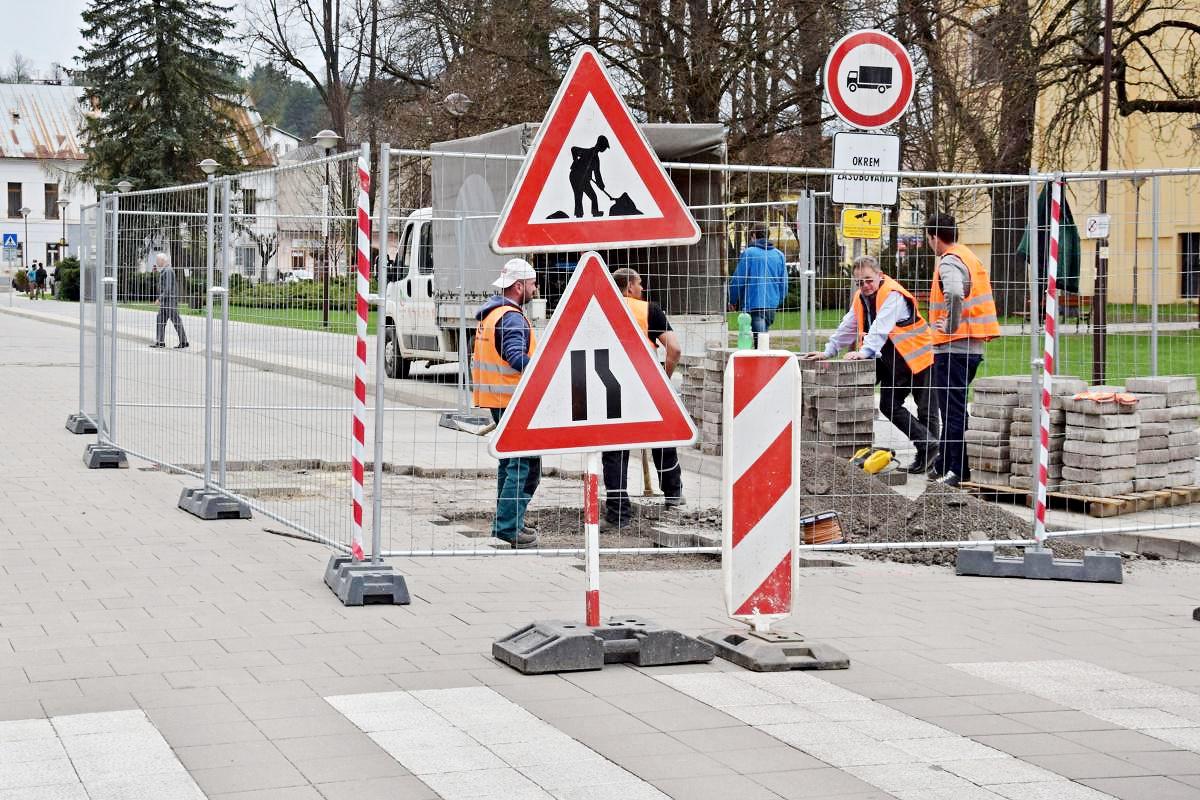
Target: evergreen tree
[(164, 92)]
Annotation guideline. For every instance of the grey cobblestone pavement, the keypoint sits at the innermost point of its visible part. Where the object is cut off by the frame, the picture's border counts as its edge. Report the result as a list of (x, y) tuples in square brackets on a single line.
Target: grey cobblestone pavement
[(224, 639)]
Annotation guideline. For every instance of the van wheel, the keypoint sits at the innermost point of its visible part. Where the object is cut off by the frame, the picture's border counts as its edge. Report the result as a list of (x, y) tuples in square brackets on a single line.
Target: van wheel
[(394, 364)]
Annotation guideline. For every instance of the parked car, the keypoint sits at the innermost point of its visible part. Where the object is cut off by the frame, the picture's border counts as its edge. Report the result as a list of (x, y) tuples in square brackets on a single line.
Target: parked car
[(297, 275)]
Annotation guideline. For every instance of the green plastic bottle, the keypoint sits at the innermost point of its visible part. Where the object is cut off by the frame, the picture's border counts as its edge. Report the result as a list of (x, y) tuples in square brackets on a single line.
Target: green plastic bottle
[(745, 335)]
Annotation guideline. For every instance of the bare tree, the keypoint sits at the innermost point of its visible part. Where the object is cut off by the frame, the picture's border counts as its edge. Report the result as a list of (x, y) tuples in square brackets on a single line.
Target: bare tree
[(20, 69)]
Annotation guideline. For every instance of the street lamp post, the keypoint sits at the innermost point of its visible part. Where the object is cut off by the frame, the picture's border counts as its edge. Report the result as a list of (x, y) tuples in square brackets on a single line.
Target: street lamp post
[(326, 140), (25, 212), (457, 104), (62, 213)]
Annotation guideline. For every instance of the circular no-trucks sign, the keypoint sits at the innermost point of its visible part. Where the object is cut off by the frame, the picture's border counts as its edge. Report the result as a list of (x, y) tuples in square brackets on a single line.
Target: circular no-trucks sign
[(869, 79)]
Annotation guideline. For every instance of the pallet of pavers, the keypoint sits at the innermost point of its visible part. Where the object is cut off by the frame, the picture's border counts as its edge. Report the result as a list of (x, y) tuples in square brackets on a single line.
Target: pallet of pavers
[(993, 401), (1170, 442), (1026, 419), (837, 400)]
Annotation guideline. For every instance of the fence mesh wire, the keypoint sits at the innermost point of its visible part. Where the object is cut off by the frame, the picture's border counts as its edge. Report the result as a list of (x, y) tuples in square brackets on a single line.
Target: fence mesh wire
[(283, 349), (88, 252)]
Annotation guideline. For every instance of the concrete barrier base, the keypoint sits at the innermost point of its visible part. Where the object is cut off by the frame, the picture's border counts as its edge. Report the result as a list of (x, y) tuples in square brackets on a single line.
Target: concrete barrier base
[(207, 504), (1096, 566), (104, 456), (359, 583), (556, 646), (774, 651), (80, 423)]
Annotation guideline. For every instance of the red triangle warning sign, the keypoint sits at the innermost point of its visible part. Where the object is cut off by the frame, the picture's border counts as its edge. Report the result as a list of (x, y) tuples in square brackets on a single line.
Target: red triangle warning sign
[(590, 179), (594, 383)]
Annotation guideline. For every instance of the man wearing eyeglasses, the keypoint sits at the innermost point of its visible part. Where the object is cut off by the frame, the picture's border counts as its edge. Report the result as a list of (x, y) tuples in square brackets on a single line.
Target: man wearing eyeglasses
[(884, 324)]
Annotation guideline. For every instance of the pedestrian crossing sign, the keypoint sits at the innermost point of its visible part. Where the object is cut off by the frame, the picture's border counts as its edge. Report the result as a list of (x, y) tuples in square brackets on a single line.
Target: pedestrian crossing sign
[(10, 241)]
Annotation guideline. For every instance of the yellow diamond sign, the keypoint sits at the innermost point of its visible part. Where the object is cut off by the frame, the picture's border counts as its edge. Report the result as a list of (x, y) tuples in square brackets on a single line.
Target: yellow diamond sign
[(862, 223)]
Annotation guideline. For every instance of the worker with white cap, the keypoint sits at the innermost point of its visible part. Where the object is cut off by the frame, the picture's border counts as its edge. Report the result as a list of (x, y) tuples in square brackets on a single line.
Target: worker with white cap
[(504, 344)]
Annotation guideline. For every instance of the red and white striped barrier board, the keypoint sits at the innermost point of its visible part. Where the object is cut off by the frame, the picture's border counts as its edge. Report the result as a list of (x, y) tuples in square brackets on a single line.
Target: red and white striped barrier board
[(363, 287), (591, 539), (761, 499), (1039, 530)]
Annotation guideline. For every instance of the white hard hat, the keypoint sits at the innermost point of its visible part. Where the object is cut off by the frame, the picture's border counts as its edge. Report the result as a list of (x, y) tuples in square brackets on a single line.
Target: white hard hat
[(515, 269)]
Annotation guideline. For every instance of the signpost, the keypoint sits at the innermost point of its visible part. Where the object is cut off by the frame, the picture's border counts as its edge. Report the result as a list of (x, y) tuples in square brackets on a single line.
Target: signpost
[(592, 181)]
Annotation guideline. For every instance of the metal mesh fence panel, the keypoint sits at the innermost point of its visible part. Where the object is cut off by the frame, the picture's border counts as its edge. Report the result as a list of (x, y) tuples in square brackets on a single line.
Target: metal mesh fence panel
[(286, 326), (158, 242), (88, 253)]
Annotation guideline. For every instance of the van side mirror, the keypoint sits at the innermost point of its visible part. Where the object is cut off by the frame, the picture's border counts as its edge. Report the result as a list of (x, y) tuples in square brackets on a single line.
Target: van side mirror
[(394, 273)]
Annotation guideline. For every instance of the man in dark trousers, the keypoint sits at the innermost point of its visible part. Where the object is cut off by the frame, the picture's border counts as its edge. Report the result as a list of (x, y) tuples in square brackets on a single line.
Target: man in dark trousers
[(585, 167), (168, 305), (652, 321), (504, 346)]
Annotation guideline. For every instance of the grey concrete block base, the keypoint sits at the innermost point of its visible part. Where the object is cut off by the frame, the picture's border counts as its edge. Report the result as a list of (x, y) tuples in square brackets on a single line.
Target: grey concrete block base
[(80, 423), (775, 651), (359, 583), (1096, 566), (555, 646), (207, 504), (467, 422), (104, 456)]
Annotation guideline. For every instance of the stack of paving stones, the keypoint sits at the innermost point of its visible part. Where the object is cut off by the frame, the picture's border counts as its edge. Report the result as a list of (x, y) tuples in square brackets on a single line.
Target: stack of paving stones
[(987, 435), (1101, 447), (1169, 441), (1025, 420), (837, 406), (701, 391)]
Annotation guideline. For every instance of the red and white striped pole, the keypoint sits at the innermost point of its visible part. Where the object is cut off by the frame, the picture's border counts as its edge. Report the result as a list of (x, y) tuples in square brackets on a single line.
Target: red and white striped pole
[(362, 289), (1039, 530), (760, 495), (591, 539)]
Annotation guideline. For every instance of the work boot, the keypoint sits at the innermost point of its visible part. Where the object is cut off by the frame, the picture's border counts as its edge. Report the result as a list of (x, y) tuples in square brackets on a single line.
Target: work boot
[(608, 523), (182, 346), (524, 541), (158, 344), (674, 502), (949, 479), (924, 461)]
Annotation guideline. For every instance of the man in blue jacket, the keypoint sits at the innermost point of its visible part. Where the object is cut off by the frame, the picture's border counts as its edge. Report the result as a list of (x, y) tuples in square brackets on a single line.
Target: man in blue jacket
[(759, 283)]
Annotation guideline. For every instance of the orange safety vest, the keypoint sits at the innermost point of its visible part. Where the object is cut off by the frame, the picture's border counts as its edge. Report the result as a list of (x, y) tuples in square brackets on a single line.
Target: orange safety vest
[(493, 379), (979, 309), (914, 341), (641, 315)]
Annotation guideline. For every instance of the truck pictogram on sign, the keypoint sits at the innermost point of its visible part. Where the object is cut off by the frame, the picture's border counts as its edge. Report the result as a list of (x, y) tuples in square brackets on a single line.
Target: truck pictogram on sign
[(879, 78)]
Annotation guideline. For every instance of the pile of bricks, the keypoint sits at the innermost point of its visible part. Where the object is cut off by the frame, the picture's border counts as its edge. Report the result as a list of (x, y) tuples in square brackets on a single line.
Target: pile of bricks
[(1025, 421), (701, 391), (987, 436), (1101, 448), (1169, 442), (837, 406)]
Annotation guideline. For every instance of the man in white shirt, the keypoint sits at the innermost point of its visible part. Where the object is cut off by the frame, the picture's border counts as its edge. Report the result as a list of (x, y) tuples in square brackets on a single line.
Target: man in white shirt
[(884, 324)]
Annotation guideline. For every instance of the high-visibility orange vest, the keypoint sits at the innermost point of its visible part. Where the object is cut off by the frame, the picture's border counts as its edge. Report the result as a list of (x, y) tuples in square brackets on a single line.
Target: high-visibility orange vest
[(641, 315), (494, 380), (979, 309), (913, 341)]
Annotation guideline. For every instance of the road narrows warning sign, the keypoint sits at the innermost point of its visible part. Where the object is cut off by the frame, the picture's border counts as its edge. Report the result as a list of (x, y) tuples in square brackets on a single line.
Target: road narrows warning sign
[(593, 383), (591, 179)]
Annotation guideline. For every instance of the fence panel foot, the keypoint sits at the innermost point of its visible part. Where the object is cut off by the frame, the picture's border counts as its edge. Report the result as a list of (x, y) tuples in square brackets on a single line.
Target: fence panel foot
[(207, 504), (554, 646), (104, 456), (1096, 566), (358, 583), (80, 423), (775, 651)]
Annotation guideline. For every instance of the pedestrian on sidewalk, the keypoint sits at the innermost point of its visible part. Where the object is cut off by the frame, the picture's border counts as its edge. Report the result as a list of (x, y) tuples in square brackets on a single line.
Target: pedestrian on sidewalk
[(759, 284), (504, 345), (168, 305), (962, 314), (41, 278), (31, 281), (653, 322)]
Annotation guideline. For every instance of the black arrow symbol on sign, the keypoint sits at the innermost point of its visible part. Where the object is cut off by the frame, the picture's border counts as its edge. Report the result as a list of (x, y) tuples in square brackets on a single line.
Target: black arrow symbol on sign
[(612, 387)]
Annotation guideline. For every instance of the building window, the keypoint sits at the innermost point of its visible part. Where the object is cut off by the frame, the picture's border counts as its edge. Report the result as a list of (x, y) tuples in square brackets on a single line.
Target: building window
[(14, 200), (244, 258), (249, 201), (51, 201), (987, 65), (1189, 265)]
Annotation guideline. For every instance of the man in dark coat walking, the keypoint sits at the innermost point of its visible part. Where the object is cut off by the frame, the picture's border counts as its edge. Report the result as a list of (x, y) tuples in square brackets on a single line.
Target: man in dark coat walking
[(168, 305)]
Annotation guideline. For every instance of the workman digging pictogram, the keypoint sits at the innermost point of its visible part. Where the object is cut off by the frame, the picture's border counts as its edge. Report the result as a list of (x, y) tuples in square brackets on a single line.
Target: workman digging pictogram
[(584, 171)]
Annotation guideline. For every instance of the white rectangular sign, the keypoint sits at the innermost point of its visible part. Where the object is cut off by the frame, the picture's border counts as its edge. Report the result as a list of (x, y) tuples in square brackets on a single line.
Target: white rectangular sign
[(1097, 226), (856, 153)]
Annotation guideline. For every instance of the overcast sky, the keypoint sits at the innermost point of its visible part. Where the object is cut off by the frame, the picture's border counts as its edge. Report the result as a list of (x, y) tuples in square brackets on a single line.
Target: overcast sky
[(46, 31)]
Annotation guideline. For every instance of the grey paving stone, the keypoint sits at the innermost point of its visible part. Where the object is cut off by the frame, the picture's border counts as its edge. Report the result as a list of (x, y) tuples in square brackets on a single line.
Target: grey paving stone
[(1118, 741), (1147, 788), (1061, 721), (679, 765), (1087, 765), (811, 784), (716, 788), (761, 760), (406, 788)]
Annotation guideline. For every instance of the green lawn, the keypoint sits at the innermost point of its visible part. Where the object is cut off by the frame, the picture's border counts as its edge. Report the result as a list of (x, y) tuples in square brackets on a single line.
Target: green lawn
[(1128, 355), (340, 320)]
